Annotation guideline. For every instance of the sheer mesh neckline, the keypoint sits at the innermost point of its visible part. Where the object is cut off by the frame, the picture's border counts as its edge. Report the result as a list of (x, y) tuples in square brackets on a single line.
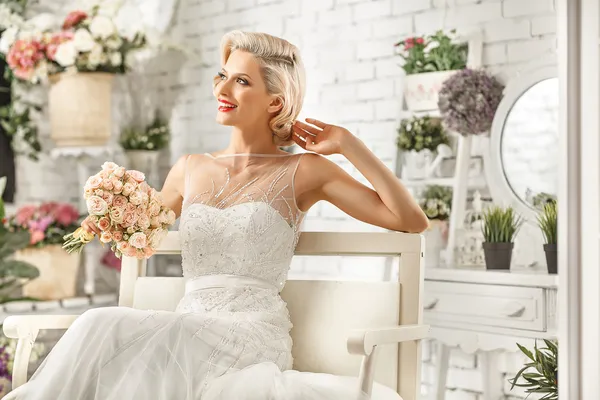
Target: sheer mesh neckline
[(249, 154)]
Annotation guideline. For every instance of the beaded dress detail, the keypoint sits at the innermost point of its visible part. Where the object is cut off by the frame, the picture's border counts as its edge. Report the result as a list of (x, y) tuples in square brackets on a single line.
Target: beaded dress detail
[(229, 337)]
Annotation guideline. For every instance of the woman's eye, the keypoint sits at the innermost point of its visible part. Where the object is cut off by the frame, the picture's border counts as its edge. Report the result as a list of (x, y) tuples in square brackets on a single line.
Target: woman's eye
[(221, 75), (242, 81)]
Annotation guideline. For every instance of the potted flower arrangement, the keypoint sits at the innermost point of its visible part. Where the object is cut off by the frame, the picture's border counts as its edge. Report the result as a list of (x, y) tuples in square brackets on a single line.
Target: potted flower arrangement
[(418, 139), (547, 221), (541, 374), (500, 226), (428, 61), (435, 203), (46, 225), (468, 101), (80, 60)]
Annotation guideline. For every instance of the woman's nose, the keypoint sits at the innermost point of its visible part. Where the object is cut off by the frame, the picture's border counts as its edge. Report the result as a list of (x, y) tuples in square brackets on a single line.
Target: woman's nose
[(222, 87)]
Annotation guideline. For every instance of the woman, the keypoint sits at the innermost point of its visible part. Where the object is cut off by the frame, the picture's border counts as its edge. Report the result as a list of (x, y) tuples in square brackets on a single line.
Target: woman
[(240, 211)]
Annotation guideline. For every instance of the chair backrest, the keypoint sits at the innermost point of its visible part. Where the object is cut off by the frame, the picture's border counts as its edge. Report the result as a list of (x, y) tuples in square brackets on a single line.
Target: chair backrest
[(324, 312)]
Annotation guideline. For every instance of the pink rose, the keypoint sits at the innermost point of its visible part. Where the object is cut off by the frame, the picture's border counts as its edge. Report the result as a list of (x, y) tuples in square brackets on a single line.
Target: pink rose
[(129, 219), (104, 224), (119, 172), (109, 166), (117, 236), (108, 197), (145, 198), (108, 185), (66, 214), (128, 188), (131, 230), (153, 208), (88, 192), (130, 208), (131, 252), (148, 252), (162, 217), (98, 192), (96, 205), (123, 246), (93, 182), (143, 221), (36, 237), (119, 201), (136, 175), (138, 240), (135, 198), (49, 208), (117, 187), (25, 214), (155, 221), (156, 236), (171, 217), (105, 237), (117, 214), (144, 187)]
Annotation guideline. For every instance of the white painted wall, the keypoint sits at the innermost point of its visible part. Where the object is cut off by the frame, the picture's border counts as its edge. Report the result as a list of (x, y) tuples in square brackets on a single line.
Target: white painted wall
[(353, 80)]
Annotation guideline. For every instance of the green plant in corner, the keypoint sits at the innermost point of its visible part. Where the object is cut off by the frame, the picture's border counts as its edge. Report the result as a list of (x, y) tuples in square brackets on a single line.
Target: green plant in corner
[(543, 378), (547, 222), (500, 225), (421, 133)]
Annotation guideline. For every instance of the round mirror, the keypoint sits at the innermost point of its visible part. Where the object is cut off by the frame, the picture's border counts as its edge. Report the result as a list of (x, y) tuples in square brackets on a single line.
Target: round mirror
[(522, 163), (529, 144)]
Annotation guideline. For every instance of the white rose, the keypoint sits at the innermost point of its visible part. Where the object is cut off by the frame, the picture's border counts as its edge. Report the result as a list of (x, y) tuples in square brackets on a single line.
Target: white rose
[(95, 57), (102, 27), (116, 59), (66, 53), (7, 39), (83, 40), (114, 43)]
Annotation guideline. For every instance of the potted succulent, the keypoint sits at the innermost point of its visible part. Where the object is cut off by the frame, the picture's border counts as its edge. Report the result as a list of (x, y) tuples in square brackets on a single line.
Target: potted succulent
[(547, 221), (500, 226), (418, 140), (541, 374), (435, 201), (428, 61), (80, 61), (46, 225), (468, 101)]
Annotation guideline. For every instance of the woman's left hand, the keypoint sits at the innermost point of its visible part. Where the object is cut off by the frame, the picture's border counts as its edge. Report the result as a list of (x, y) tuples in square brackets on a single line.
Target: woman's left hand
[(320, 137)]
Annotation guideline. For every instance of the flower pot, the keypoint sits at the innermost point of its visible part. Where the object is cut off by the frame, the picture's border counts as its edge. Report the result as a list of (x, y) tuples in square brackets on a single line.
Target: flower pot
[(435, 241), (421, 90), (415, 164), (551, 260), (58, 272), (497, 255), (80, 108)]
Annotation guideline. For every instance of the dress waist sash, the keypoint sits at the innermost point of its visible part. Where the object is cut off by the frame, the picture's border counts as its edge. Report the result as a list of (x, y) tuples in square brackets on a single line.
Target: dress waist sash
[(226, 281)]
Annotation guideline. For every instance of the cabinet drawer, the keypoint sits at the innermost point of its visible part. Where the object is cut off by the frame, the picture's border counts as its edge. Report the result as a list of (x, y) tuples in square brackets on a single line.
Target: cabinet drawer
[(489, 305)]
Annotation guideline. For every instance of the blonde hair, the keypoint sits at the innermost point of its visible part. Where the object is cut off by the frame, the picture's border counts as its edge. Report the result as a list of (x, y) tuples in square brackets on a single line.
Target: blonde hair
[(282, 71)]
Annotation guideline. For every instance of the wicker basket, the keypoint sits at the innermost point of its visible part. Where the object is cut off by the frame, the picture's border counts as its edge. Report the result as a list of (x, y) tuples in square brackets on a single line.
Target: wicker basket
[(80, 108)]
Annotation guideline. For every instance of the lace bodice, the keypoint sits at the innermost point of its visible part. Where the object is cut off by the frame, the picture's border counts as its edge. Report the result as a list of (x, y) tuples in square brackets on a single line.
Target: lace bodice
[(240, 216)]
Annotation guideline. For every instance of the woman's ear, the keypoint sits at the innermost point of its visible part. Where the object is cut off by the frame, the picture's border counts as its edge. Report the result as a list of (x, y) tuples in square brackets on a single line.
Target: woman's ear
[(276, 105)]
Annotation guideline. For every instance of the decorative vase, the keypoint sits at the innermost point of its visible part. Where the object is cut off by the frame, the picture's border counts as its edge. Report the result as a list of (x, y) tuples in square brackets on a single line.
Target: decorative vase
[(436, 239), (58, 272), (421, 90), (145, 161), (415, 164), (551, 260), (80, 108), (497, 255)]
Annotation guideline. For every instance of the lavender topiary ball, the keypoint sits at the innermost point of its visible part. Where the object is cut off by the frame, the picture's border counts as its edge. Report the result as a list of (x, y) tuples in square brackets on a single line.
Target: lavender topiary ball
[(468, 101)]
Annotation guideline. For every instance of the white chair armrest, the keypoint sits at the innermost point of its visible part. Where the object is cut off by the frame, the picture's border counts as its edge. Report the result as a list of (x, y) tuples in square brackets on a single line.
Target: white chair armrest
[(25, 328), (21, 326), (363, 341)]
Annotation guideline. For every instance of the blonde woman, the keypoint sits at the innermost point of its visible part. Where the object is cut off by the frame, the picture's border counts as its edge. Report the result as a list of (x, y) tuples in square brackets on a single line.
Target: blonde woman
[(240, 211)]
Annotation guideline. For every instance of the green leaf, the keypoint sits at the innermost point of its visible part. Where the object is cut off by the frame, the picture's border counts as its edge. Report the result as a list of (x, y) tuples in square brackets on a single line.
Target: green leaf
[(10, 242), (18, 269)]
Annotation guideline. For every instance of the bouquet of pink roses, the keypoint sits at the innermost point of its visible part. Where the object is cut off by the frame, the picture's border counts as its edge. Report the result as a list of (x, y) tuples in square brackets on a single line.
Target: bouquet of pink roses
[(129, 213)]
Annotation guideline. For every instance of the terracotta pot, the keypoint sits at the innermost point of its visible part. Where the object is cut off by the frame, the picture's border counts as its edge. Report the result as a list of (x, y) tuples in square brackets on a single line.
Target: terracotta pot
[(80, 108), (58, 272), (421, 90)]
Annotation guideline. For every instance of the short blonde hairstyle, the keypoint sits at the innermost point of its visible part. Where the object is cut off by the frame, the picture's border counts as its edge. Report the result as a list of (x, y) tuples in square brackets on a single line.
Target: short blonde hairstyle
[(282, 71)]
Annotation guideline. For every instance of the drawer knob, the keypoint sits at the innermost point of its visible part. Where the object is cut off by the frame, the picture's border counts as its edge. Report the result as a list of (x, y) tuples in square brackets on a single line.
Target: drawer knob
[(514, 310), (431, 305)]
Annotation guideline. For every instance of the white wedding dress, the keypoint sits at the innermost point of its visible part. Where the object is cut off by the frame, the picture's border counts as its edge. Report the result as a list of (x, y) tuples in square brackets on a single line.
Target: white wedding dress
[(229, 336)]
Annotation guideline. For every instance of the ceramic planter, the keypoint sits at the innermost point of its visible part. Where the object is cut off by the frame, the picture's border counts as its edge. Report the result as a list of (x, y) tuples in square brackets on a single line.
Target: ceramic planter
[(421, 90), (436, 239), (551, 260), (80, 108), (497, 255), (415, 164)]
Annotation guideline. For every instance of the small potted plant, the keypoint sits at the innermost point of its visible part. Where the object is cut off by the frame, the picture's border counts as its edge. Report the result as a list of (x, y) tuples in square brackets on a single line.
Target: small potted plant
[(428, 61), (540, 376), (547, 221), (46, 225), (418, 140), (435, 203), (500, 226), (468, 101)]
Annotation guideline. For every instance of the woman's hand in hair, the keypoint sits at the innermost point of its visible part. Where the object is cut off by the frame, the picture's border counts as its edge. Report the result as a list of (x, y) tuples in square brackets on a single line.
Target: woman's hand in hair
[(321, 138)]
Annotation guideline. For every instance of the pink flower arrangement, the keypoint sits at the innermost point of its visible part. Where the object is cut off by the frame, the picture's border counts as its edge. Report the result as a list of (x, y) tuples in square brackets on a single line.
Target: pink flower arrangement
[(129, 213), (47, 223)]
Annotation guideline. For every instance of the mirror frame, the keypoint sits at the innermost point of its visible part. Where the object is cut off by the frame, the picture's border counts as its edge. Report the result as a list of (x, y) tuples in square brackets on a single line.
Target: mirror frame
[(500, 189)]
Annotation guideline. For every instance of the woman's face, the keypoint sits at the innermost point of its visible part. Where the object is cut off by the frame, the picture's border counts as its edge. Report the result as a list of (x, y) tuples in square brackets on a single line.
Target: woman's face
[(242, 98)]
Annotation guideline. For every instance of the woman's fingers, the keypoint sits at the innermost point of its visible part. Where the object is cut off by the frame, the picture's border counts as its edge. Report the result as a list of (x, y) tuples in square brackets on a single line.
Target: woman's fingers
[(308, 128), (316, 122)]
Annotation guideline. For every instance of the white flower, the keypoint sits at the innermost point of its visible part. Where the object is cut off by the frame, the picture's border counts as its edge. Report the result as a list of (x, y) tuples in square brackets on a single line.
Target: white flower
[(102, 27), (66, 53), (8, 19), (83, 40), (42, 22), (116, 59), (95, 57), (7, 39), (430, 46), (114, 43)]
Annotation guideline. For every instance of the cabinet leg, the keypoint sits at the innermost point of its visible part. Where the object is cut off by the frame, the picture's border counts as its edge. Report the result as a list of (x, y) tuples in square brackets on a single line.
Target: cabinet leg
[(492, 377), (438, 391)]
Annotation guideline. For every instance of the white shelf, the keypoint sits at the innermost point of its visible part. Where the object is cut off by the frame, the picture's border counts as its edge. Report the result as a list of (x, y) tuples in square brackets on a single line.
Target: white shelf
[(404, 114), (474, 182)]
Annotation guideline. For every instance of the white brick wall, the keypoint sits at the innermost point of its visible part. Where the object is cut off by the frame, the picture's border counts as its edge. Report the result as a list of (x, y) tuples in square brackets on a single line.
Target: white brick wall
[(353, 80)]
